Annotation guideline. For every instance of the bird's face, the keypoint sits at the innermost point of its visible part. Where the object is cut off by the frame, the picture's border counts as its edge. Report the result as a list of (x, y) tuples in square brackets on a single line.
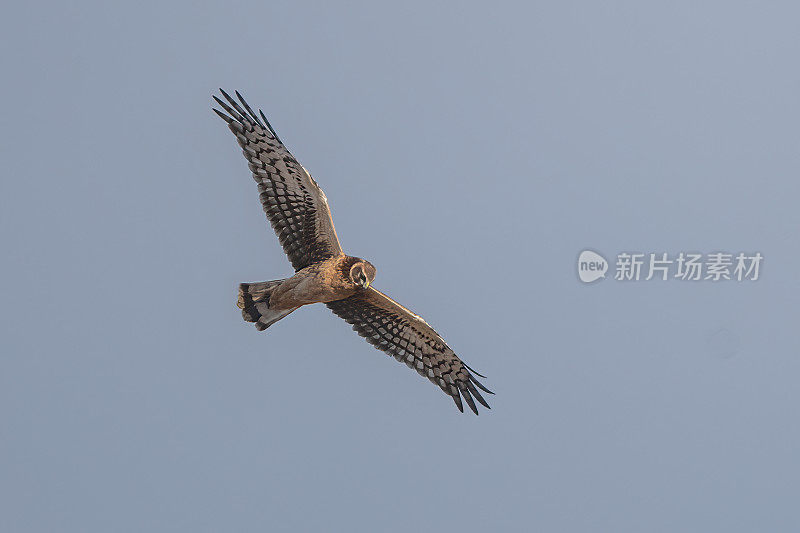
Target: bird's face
[(362, 273)]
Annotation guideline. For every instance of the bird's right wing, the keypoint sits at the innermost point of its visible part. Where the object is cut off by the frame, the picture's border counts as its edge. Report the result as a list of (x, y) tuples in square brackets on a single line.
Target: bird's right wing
[(392, 328), (296, 207)]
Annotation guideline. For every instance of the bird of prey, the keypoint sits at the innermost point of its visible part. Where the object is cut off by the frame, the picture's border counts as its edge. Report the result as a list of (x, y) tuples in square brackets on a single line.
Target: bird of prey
[(298, 211)]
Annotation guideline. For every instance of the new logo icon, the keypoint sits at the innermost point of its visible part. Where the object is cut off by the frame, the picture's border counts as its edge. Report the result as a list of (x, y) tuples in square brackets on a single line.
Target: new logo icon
[(591, 266)]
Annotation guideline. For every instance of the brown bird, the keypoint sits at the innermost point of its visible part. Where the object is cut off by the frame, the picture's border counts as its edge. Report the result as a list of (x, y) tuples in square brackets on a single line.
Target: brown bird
[(298, 211)]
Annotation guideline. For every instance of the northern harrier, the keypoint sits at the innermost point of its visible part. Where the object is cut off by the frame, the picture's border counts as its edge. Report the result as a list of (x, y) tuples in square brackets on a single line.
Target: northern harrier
[(298, 212)]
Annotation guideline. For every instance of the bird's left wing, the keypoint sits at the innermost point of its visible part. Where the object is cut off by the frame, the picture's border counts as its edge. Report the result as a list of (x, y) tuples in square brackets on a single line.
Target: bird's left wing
[(296, 207), (392, 328)]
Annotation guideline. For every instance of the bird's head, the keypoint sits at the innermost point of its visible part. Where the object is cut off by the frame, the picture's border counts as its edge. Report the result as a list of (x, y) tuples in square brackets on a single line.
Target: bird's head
[(362, 273)]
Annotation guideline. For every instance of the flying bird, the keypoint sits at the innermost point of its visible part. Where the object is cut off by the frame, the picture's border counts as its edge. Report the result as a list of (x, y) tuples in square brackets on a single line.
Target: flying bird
[(298, 211)]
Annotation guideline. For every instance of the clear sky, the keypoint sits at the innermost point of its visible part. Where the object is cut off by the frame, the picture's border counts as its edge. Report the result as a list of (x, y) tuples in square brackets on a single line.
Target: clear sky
[(470, 152)]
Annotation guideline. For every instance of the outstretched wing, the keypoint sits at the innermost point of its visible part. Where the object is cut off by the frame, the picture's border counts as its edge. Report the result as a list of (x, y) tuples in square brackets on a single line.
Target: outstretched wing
[(296, 207), (390, 327)]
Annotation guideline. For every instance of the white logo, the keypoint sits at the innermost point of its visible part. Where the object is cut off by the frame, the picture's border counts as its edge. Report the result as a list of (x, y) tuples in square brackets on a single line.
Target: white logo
[(684, 266), (591, 266)]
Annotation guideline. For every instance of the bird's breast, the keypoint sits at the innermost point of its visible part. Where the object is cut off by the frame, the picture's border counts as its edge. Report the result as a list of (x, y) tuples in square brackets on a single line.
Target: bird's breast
[(315, 284)]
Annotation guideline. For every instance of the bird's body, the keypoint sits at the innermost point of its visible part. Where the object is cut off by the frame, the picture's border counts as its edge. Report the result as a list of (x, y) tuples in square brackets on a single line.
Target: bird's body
[(298, 212), (318, 283)]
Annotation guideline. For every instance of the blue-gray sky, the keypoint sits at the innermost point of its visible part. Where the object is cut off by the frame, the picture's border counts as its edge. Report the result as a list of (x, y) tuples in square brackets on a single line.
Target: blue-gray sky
[(470, 152)]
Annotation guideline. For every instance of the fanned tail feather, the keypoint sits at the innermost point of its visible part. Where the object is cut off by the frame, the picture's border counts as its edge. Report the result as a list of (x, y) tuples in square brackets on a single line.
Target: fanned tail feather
[(254, 302)]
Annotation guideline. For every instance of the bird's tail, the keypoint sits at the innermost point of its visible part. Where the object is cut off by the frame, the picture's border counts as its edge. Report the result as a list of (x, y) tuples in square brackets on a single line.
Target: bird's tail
[(254, 303)]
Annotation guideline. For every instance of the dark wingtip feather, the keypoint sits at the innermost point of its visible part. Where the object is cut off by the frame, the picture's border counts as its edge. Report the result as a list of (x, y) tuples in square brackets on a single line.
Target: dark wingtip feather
[(228, 97), (457, 399), (270, 127), (229, 110), (479, 384), (477, 395), (474, 371), (237, 107), (468, 398), (249, 111), (222, 115)]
